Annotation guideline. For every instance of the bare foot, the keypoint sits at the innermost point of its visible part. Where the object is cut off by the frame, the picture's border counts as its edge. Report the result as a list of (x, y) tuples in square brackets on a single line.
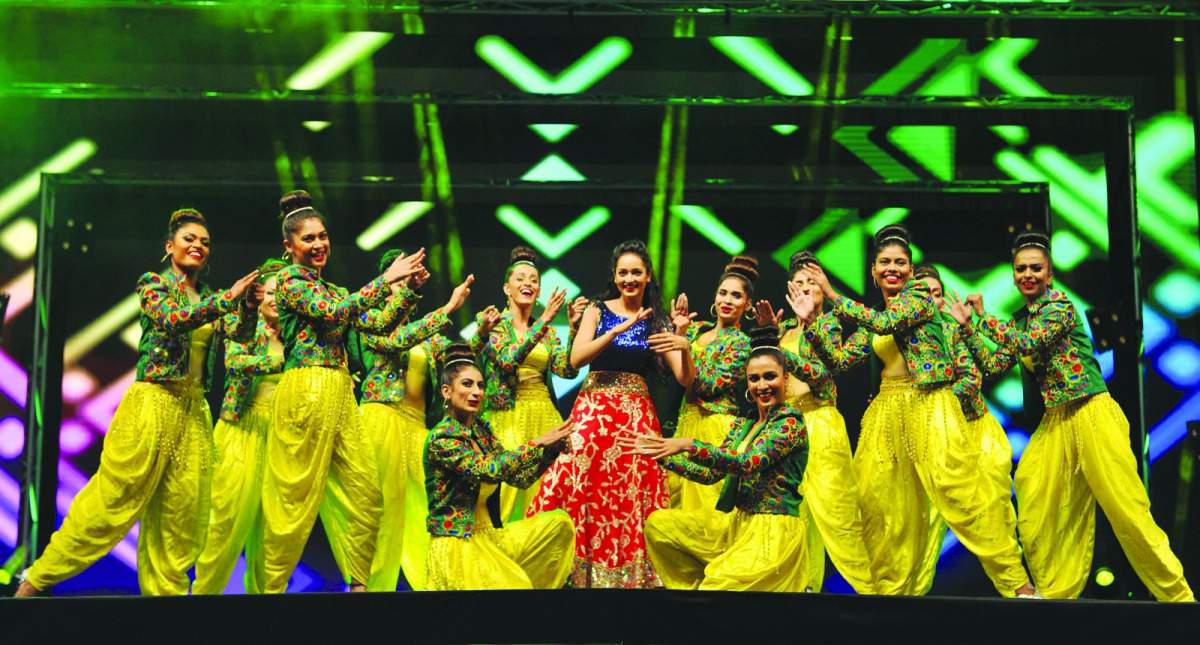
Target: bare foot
[(357, 587), (1028, 591), (27, 590)]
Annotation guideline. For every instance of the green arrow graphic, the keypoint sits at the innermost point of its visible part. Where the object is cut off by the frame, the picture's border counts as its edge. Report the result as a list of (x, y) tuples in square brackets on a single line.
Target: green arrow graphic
[(553, 132), (855, 139), (756, 56), (552, 246), (553, 168), (525, 74), (707, 224), (931, 145), (393, 221)]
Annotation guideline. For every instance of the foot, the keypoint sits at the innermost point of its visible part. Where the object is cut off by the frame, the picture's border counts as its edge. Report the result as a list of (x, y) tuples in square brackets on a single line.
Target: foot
[(1029, 591), (357, 587), (27, 590)]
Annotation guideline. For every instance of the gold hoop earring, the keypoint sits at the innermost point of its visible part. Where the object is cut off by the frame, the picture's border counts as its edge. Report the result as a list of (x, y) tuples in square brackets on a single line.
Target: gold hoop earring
[(748, 314), (207, 268), (749, 397), (712, 309)]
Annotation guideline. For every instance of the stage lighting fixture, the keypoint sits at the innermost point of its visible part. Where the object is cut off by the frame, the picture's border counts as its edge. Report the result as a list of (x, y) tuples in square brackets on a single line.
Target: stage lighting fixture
[(1104, 577)]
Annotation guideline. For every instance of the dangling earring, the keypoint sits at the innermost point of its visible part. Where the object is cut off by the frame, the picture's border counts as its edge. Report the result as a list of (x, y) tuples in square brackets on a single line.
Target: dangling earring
[(749, 397), (164, 258), (207, 268), (287, 255)]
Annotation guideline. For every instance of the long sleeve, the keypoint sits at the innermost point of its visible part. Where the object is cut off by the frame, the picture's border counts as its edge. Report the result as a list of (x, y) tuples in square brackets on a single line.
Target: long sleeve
[(909, 308), (454, 450), (173, 317), (839, 354), (560, 355), (504, 354), (301, 292), (245, 361), (991, 364), (1053, 322), (383, 320), (806, 368), (408, 335), (774, 443), (720, 365), (684, 467), (968, 380)]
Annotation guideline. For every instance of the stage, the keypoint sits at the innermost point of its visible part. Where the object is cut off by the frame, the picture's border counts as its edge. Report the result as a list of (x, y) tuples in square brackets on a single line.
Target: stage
[(590, 616)]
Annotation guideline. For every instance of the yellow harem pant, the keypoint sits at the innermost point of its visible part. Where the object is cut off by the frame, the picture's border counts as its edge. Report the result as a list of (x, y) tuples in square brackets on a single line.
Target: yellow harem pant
[(711, 428), (398, 433), (831, 500), (236, 521), (534, 553), (737, 551), (1078, 456), (319, 459), (916, 461), (156, 466), (532, 416)]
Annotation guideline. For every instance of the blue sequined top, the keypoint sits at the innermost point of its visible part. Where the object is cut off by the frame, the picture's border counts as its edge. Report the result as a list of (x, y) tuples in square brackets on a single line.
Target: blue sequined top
[(628, 352)]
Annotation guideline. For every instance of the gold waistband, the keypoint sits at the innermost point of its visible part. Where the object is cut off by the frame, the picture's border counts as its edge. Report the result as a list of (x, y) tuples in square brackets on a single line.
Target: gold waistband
[(897, 384), (405, 410), (533, 390), (806, 403), (623, 382)]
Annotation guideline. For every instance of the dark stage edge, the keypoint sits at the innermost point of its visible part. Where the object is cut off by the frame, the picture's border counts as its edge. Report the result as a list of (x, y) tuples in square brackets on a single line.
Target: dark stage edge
[(590, 616)]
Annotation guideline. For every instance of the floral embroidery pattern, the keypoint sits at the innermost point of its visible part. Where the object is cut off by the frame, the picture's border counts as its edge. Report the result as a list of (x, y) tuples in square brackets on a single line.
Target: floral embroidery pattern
[(503, 355), (244, 363), (720, 366)]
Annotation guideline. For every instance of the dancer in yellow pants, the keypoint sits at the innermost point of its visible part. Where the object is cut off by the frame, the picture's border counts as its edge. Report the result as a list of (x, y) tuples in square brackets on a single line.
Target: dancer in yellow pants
[(754, 539), (253, 372), (464, 463), (518, 359), (1079, 455), (319, 458), (831, 505), (915, 456), (156, 465), (719, 353), (393, 410)]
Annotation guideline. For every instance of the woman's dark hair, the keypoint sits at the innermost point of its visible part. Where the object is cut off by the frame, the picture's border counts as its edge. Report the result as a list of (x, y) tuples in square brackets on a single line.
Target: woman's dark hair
[(523, 255), (799, 259), (455, 358), (764, 341), (893, 235), (1033, 238), (270, 268), (927, 271), (294, 208), (653, 297), (745, 269), (181, 218)]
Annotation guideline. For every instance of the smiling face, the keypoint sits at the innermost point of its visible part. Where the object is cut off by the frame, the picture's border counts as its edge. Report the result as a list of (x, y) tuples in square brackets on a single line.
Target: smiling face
[(267, 306), (731, 301), (524, 285), (631, 275), (766, 380), (892, 269), (309, 244), (189, 248), (808, 285), (464, 393), (1032, 273), (935, 291)]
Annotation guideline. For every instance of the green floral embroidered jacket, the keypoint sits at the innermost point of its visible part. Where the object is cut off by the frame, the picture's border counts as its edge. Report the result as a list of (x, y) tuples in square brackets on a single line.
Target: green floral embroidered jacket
[(720, 367), (244, 364), (809, 365), (458, 459), (389, 354), (968, 381), (503, 355), (765, 478), (167, 322), (1051, 334)]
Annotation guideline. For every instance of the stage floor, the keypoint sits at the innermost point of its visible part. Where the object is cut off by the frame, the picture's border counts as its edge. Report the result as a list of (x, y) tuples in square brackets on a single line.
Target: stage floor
[(590, 616)]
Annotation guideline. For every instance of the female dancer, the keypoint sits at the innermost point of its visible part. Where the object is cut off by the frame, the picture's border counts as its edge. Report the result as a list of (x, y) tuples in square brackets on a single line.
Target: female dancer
[(254, 369), (914, 456), (393, 412), (1080, 453), (519, 357), (754, 539), (465, 463), (995, 453), (609, 495), (317, 451), (719, 352), (831, 503), (156, 464)]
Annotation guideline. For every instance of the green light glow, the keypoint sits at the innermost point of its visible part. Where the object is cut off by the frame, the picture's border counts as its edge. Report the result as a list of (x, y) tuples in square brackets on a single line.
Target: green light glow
[(827, 221), (785, 128), (1104, 577), (1069, 250), (552, 246), (26, 189), (708, 225), (756, 56), (1008, 392), (1014, 134), (855, 139), (886, 217), (579, 76), (555, 279), (397, 217), (316, 126), (20, 239), (339, 55), (998, 62), (1178, 293), (553, 168), (930, 145), (553, 132), (929, 53), (103, 327), (132, 334), (845, 256)]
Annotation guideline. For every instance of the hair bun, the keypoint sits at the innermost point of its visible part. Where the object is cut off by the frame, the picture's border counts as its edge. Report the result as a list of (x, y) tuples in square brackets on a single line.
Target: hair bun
[(927, 271), (293, 202), (764, 336), (457, 351), (800, 259), (185, 215), (744, 266), (892, 232), (523, 254), (1032, 237)]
